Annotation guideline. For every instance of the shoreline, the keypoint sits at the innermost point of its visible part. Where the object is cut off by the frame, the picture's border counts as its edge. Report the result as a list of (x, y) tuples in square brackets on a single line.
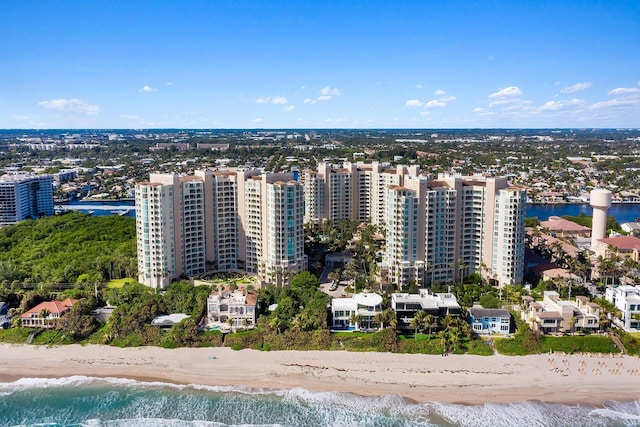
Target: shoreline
[(417, 378)]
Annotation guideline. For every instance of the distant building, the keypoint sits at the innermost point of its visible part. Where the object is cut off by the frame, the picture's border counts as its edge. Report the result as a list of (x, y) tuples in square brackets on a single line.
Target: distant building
[(626, 299), (53, 310), (631, 227), (560, 227), (24, 197), (489, 320), (622, 247)]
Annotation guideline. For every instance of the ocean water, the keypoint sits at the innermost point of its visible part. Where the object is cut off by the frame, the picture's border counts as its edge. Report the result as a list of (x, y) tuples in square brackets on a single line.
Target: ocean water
[(85, 401)]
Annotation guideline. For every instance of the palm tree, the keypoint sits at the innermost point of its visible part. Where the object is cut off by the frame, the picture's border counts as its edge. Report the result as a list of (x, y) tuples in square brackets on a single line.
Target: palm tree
[(246, 322), (389, 318), (418, 322), (355, 320), (44, 315), (429, 320)]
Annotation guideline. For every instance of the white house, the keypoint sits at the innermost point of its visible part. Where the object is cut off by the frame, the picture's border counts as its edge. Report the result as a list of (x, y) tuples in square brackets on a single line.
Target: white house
[(626, 299), (553, 315), (364, 305), (489, 320), (232, 309)]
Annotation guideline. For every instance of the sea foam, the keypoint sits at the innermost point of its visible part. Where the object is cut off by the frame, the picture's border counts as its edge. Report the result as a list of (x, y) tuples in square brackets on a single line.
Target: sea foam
[(126, 402)]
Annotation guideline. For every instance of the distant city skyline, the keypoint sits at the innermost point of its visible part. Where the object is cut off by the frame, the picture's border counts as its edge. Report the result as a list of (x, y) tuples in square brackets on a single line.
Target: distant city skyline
[(334, 64)]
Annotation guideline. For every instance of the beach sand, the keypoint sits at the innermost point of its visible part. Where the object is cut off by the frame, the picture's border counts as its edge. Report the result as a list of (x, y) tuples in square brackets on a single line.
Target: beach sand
[(465, 379)]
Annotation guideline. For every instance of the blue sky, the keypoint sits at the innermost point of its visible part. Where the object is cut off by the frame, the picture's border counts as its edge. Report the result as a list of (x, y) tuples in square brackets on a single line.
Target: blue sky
[(319, 64)]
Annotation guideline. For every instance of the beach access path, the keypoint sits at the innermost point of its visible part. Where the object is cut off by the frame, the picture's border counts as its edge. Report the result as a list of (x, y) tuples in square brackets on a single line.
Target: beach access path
[(465, 379)]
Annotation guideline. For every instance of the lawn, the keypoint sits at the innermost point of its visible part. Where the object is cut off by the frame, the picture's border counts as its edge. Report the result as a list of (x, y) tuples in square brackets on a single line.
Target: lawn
[(522, 344), (118, 283)]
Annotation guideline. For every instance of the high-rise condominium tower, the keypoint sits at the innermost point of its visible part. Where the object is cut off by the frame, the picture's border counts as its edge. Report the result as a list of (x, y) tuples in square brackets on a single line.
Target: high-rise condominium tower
[(437, 230), (227, 220), (25, 196)]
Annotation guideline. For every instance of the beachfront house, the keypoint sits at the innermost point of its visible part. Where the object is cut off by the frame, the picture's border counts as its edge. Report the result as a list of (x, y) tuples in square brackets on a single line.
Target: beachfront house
[(487, 321), (231, 309), (45, 314), (626, 298), (406, 306), (5, 320), (167, 321), (355, 313), (553, 315)]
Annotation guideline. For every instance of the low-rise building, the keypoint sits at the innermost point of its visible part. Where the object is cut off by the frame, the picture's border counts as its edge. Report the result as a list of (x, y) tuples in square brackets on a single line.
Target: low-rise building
[(167, 321), (621, 247), (355, 313), (232, 309), (552, 315), (626, 298), (406, 306), (489, 320), (45, 314), (560, 227), (5, 320)]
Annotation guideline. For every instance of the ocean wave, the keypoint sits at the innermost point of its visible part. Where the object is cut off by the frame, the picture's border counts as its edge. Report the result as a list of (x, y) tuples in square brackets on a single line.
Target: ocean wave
[(168, 404), (161, 422)]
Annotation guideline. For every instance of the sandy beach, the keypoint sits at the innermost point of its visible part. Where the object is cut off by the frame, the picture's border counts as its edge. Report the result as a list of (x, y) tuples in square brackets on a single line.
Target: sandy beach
[(558, 378)]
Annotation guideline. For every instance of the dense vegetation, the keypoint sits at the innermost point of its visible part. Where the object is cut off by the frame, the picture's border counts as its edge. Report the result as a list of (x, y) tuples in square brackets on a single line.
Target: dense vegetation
[(67, 249)]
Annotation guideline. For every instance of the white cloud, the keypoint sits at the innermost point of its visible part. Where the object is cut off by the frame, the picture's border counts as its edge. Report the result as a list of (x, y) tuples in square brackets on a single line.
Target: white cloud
[(18, 117), (147, 89), (434, 103), (74, 105), (324, 97), (577, 87), (413, 103), (562, 104), (419, 86), (277, 100), (289, 108), (129, 117), (439, 92), (257, 120), (309, 101), (329, 91), (479, 110), (448, 98), (169, 83), (507, 92), (500, 102), (615, 103), (624, 91)]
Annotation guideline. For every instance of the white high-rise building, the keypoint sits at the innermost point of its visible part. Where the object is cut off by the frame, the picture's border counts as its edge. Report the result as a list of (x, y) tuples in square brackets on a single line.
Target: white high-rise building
[(25, 196), (246, 220)]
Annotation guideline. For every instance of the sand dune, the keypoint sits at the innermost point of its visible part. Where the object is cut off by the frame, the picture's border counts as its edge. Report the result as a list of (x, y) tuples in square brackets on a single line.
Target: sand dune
[(465, 379)]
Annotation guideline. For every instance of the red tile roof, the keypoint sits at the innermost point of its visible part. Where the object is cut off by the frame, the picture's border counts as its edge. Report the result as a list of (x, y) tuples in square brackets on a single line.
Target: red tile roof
[(623, 242), (54, 307)]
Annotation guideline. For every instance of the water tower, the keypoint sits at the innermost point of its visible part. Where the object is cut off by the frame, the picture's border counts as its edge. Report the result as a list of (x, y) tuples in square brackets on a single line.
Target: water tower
[(600, 202)]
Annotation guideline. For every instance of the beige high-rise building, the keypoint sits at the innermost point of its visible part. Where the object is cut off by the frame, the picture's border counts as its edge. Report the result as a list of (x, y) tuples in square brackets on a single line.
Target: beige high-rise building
[(228, 220), (438, 230)]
